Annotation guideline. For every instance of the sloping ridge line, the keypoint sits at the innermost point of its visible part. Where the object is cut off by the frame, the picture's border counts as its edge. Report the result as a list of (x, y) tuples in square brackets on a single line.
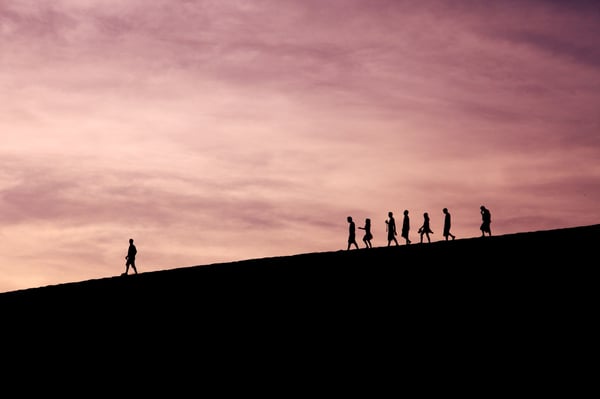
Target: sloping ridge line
[(561, 255)]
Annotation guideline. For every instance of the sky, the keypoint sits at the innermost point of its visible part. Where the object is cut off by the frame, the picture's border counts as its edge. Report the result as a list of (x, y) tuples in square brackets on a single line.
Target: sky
[(224, 130)]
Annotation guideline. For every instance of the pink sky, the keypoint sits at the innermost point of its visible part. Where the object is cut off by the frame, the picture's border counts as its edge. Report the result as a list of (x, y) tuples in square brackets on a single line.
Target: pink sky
[(215, 131)]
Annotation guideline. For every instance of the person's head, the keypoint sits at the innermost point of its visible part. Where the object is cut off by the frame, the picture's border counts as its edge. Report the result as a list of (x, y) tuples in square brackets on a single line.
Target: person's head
[(406, 211), (131, 240), (482, 207), (445, 210), (349, 218), (368, 221), (426, 215), (390, 213)]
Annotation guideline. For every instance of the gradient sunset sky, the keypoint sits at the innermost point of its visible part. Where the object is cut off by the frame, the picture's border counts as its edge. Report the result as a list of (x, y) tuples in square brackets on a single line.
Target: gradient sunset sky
[(216, 131)]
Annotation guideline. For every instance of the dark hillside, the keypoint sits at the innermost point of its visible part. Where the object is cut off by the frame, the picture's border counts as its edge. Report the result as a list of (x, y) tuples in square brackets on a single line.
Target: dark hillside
[(503, 312), (482, 272)]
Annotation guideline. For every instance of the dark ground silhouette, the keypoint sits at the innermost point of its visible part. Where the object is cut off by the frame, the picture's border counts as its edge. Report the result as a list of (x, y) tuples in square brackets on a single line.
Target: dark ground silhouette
[(471, 263), (495, 314)]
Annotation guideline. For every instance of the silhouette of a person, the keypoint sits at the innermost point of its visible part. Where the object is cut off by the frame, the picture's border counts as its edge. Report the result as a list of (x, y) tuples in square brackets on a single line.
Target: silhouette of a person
[(131, 253), (447, 224), (368, 236), (425, 229), (351, 233), (405, 227), (391, 229), (486, 220)]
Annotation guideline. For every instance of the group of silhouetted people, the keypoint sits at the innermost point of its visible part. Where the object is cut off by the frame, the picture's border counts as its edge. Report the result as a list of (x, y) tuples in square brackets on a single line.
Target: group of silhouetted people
[(390, 223), (424, 231)]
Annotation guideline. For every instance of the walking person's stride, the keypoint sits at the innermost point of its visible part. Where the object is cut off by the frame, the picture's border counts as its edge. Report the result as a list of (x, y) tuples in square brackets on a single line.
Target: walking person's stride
[(130, 258)]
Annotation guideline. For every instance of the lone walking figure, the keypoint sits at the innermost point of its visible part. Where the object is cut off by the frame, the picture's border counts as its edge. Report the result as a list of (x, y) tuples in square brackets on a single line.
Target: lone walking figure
[(131, 253)]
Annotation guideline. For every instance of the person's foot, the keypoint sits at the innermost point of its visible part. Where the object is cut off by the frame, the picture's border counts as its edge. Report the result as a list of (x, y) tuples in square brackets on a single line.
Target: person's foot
[(453, 237)]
